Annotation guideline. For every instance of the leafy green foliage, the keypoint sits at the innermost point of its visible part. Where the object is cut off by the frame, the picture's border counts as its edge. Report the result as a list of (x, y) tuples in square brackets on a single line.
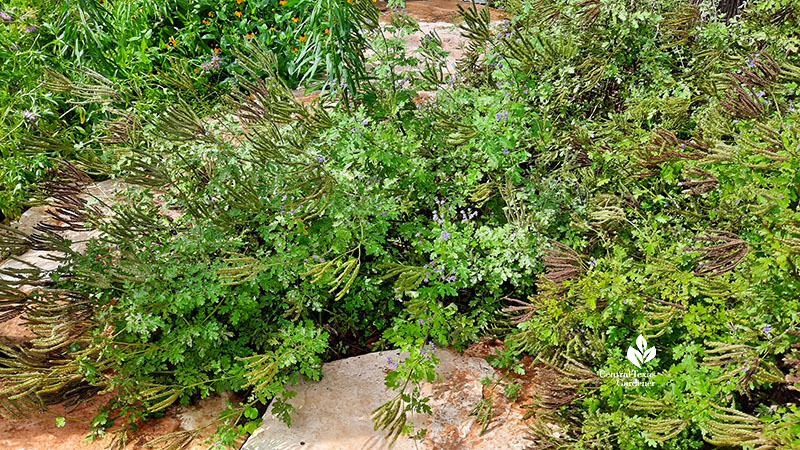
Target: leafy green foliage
[(626, 169)]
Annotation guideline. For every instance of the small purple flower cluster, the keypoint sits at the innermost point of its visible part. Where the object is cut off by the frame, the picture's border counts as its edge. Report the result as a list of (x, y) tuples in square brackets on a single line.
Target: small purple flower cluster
[(436, 217), (426, 40), (445, 235), (6, 16), (337, 85), (296, 210), (502, 116), (370, 179), (467, 214), (213, 64), (30, 116), (403, 85), (760, 95), (434, 268), (427, 351), (359, 127)]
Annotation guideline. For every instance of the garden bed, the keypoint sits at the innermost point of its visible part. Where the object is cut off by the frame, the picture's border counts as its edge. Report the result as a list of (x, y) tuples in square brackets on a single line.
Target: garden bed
[(605, 196)]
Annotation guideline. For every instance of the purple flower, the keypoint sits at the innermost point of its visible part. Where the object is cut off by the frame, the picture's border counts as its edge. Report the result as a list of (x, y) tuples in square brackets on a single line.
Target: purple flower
[(31, 28), (501, 116), (6, 16), (208, 66), (767, 329), (29, 116), (445, 235)]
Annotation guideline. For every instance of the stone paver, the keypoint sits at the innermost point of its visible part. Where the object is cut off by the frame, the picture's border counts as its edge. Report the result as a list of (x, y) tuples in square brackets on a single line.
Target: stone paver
[(334, 413)]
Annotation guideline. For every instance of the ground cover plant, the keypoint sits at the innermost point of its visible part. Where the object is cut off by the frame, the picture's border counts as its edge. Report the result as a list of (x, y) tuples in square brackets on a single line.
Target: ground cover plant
[(595, 176)]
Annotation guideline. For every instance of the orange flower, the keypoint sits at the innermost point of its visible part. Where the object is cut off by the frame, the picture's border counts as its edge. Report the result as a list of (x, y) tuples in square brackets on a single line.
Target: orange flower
[(327, 30), (238, 14), (238, 2), (282, 2), (195, 69), (210, 14), (294, 50), (272, 28), (295, 19), (206, 21), (249, 35), (302, 38), (216, 50)]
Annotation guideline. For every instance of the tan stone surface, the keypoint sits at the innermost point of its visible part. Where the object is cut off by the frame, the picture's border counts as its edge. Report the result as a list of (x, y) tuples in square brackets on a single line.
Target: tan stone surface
[(99, 195), (334, 413)]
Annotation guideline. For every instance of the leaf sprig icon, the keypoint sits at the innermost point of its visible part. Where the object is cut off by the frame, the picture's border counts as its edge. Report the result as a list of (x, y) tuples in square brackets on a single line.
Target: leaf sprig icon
[(641, 356)]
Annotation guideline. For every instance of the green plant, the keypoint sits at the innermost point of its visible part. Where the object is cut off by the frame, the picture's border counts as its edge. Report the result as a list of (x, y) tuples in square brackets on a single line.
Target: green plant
[(626, 169)]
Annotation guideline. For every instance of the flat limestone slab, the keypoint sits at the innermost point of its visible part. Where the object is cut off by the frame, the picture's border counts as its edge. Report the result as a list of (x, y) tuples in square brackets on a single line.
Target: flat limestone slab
[(334, 413)]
